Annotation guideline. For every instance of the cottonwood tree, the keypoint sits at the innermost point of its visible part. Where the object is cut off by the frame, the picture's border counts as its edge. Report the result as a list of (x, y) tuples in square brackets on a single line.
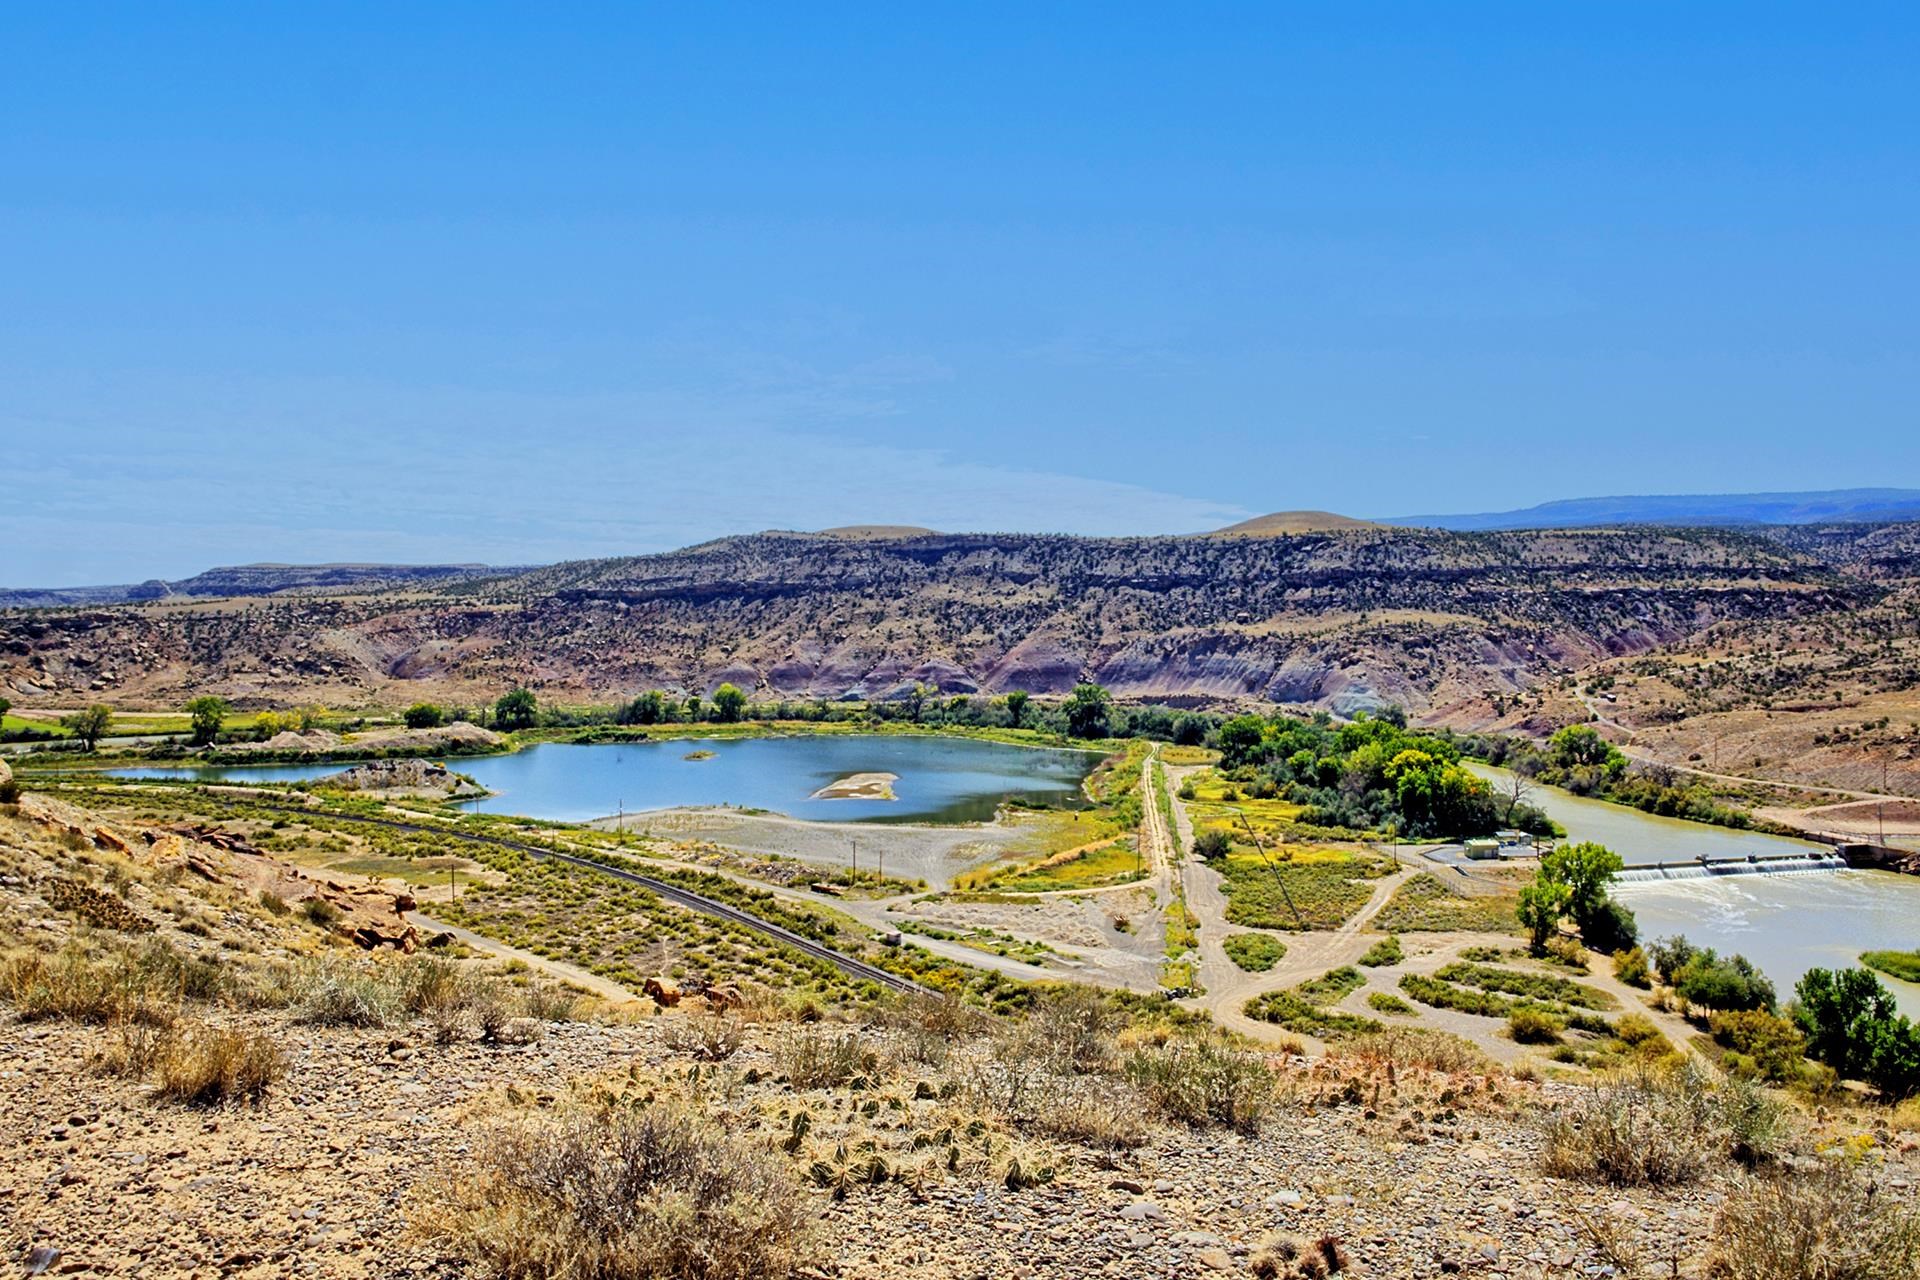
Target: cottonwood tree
[(728, 703), (89, 725), (208, 715), (516, 709), (1017, 700)]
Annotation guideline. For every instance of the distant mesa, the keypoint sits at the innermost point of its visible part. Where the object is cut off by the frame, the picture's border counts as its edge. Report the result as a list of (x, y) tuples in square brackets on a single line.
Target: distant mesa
[(876, 531), (1286, 522)]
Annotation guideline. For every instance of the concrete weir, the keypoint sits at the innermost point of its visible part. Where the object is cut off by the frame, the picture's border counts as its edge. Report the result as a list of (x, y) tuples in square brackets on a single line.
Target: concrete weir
[(1752, 865)]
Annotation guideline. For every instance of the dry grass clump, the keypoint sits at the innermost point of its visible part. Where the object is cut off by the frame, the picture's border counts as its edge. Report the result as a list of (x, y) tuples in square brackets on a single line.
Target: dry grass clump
[(1202, 1082), (621, 1195), (122, 984), (1832, 1223), (1652, 1126), (1289, 1258), (193, 1062), (356, 991), (708, 1037), (1418, 1048), (206, 1066), (820, 1056)]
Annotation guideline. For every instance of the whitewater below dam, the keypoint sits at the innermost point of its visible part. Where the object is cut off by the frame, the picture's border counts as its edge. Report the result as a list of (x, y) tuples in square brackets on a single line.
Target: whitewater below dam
[(1805, 911)]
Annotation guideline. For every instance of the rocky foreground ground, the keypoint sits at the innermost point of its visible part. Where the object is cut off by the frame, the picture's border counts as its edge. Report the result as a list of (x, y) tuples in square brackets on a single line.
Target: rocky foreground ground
[(324, 1177)]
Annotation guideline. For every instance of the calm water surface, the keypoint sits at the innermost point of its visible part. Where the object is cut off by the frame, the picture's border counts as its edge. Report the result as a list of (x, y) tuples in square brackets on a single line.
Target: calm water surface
[(1786, 923), (940, 779)]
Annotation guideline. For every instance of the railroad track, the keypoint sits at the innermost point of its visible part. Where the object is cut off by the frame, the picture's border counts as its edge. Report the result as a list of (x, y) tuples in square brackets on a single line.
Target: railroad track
[(852, 966)]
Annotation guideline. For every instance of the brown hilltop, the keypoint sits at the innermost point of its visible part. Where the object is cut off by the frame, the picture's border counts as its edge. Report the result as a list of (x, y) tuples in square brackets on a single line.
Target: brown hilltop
[(1278, 523)]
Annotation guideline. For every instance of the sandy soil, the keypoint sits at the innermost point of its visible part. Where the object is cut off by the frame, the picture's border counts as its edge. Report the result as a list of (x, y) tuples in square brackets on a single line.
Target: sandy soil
[(933, 854)]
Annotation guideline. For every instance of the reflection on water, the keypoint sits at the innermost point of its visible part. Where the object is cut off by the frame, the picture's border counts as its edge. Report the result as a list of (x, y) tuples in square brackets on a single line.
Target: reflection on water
[(940, 779), (1785, 923)]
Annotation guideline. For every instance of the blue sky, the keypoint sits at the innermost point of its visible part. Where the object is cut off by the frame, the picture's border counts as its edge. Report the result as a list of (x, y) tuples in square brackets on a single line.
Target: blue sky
[(518, 284)]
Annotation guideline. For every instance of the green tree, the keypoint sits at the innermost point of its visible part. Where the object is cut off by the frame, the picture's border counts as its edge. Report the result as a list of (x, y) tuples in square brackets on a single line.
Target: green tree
[(1212, 844), (516, 709), (1241, 740), (1017, 700), (694, 711), (89, 725), (914, 701), (728, 703), (423, 715), (208, 716), (1851, 1025), (1580, 745), (648, 708), (1089, 711), (6, 705), (1542, 904), (1587, 869)]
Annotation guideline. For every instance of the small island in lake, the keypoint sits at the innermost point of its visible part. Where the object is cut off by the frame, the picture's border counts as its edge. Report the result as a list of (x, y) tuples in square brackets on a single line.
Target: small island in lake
[(859, 786), (702, 754)]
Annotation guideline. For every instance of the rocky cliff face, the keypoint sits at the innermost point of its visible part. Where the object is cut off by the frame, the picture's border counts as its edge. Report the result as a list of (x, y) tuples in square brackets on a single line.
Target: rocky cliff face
[(1338, 618)]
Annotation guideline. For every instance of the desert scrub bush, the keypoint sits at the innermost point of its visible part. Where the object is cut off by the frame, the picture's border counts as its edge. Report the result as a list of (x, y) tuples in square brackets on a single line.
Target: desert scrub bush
[(1759, 1044), (1254, 952), (1387, 1002), (1829, 1223), (1202, 1082), (549, 1002), (710, 1037), (1532, 986), (1534, 1026), (824, 1057), (343, 993), (318, 911), (1297, 1014), (1385, 952), (621, 1195), (1289, 1258), (1658, 1126), (205, 1066), (121, 986), (1631, 967), (1414, 1047)]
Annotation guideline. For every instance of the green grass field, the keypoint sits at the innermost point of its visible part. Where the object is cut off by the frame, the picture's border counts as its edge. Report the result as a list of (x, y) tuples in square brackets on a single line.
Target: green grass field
[(1318, 889), (1116, 862), (1426, 904)]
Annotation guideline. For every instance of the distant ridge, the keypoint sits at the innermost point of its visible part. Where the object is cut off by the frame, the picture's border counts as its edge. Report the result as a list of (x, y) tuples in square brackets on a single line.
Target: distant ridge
[(249, 580), (876, 531), (1833, 506), (1278, 523)]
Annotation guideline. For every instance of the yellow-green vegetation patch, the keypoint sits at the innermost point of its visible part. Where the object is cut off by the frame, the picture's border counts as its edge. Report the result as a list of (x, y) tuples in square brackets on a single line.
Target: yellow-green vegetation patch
[(1904, 965), (1181, 970), (991, 941), (1255, 952), (1315, 888), (1490, 992), (1387, 1002), (1116, 862), (1428, 904), (1383, 953), (1178, 754), (1303, 1010)]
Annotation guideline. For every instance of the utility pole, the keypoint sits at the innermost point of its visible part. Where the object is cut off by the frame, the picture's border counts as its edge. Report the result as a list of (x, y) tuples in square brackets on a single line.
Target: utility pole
[(1273, 870)]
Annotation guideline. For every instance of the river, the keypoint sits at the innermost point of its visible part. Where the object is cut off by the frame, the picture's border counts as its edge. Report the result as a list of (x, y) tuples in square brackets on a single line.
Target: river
[(1786, 923)]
